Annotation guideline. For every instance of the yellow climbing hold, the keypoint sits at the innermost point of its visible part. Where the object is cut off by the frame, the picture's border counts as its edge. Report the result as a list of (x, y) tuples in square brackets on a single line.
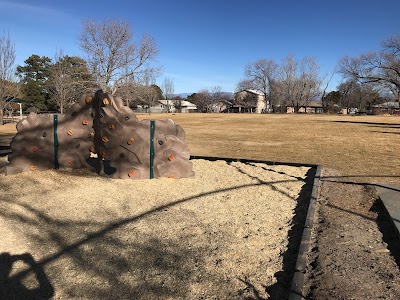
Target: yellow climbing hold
[(130, 141), (88, 99), (70, 132), (106, 101)]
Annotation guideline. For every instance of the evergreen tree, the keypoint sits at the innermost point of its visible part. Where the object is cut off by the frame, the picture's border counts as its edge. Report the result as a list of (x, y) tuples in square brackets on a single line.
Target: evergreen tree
[(34, 75)]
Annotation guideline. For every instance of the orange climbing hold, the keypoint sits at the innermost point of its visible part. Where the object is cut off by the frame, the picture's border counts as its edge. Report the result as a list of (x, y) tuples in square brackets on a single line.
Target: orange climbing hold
[(85, 122), (70, 161), (103, 154), (33, 168), (131, 174), (130, 141), (106, 101), (105, 139), (70, 132), (112, 126), (171, 157)]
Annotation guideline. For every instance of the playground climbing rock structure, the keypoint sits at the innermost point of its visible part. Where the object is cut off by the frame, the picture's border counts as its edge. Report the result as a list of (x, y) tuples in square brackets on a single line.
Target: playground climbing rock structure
[(99, 132)]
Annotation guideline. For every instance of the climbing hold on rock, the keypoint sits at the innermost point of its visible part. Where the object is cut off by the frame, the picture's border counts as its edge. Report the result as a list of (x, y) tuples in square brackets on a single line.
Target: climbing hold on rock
[(70, 132), (112, 126), (126, 118), (33, 168), (106, 101), (34, 148), (103, 154), (85, 122), (91, 149), (105, 139), (91, 135), (44, 134), (88, 99), (171, 157), (70, 161), (160, 142), (130, 141), (131, 174)]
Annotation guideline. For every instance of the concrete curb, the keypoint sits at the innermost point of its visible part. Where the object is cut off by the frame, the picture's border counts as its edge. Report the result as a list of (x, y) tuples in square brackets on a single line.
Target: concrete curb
[(390, 197), (297, 288)]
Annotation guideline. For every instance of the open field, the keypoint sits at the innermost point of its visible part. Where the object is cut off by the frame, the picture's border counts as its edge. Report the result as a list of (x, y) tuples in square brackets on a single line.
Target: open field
[(366, 147)]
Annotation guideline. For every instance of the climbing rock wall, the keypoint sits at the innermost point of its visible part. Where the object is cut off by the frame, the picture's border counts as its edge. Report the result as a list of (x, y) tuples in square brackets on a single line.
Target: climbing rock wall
[(101, 126)]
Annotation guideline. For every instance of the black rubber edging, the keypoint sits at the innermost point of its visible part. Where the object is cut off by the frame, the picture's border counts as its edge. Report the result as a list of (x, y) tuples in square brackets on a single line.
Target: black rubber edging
[(299, 277)]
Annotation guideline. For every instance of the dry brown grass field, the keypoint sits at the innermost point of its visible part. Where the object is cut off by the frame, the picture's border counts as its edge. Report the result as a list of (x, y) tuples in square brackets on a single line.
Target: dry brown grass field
[(362, 148), (366, 147)]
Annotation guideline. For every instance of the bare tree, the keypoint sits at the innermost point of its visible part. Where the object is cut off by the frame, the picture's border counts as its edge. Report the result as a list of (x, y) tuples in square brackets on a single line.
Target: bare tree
[(112, 55), (260, 74), (202, 99), (245, 84), (299, 82), (8, 85), (380, 68), (149, 96), (168, 90), (69, 78)]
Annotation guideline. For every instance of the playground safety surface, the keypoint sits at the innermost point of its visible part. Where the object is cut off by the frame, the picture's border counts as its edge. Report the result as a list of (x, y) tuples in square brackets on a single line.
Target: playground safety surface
[(230, 232)]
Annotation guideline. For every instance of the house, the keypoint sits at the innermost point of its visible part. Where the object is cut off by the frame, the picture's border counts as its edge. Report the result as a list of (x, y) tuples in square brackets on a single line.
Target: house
[(313, 107), (250, 100), (391, 107), (164, 106)]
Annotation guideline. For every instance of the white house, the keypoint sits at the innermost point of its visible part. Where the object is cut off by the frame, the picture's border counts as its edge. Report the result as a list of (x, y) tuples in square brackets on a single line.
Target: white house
[(164, 106)]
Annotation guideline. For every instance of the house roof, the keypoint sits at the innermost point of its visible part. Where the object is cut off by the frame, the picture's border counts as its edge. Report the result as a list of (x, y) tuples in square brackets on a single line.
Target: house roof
[(253, 91), (314, 103), (184, 103), (391, 104)]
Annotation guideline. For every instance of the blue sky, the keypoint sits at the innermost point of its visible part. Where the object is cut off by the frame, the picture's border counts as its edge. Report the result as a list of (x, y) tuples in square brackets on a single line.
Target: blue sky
[(208, 43)]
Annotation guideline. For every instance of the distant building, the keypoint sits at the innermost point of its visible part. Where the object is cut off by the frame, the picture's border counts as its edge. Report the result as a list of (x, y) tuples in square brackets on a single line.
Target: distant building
[(391, 107), (250, 101), (164, 106), (313, 107)]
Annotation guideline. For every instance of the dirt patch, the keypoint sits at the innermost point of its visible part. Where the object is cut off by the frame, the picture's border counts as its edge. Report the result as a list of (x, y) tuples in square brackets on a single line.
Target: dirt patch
[(355, 248), (226, 234)]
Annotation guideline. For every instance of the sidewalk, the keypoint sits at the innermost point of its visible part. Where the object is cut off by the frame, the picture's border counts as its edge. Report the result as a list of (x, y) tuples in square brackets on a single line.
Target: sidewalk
[(390, 196)]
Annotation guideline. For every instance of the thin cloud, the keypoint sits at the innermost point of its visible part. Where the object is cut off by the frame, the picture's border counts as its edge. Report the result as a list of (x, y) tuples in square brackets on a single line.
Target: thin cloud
[(34, 10)]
